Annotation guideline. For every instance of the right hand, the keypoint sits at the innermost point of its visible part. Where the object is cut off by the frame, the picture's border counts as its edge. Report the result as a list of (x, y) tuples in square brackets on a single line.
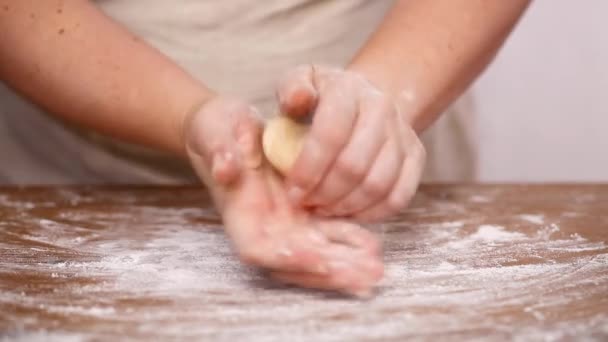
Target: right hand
[(223, 141), (360, 158)]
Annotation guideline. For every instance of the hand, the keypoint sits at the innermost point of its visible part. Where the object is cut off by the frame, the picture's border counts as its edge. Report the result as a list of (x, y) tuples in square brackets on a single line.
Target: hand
[(360, 159), (223, 143)]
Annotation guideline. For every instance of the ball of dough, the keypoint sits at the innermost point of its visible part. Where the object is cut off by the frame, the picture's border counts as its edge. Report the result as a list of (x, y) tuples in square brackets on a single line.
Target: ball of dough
[(282, 142)]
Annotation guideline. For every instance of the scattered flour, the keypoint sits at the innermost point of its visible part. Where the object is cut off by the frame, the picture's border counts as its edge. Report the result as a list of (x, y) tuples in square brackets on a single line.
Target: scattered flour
[(452, 224), (480, 199), (443, 276), (485, 235), (536, 219), (493, 233)]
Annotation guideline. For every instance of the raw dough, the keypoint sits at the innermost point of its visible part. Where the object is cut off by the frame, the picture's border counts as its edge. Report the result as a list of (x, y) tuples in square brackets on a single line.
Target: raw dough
[(282, 141)]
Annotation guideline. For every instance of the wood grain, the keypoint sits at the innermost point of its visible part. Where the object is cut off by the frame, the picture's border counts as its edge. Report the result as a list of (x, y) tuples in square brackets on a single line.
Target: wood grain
[(465, 261)]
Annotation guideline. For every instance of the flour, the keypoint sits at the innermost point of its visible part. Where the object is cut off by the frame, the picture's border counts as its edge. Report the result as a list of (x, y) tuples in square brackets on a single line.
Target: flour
[(493, 233), (536, 219), (143, 267), (449, 224), (5, 201), (480, 199), (571, 214), (485, 234)]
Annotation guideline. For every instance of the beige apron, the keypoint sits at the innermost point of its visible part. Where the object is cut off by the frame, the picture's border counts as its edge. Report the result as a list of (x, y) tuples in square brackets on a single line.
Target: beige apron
[(238, 47)]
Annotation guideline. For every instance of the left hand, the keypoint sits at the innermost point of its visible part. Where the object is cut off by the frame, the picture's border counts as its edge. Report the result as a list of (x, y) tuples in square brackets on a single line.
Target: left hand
[(360, 159), (222, 139)]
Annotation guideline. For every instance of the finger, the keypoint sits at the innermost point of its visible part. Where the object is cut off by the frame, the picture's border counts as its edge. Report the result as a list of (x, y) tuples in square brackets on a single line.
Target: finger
[(332, 125), (351, 235), (243, 153), (213, 145), (322, 258), (303, 251), (296, 92), (343, 276), (365, 269), (402, 193), (356, 159), (342, 282), (377, 185), (225, 169), (248, 133)]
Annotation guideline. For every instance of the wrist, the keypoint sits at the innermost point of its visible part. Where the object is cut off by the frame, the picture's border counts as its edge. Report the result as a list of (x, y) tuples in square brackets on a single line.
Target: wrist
[(405, 92), (187, 118)]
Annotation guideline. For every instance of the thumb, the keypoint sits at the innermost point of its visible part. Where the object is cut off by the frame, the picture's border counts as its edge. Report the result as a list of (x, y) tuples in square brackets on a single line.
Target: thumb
[(297, 93), (225, 168), (240, 154), (222, 139)]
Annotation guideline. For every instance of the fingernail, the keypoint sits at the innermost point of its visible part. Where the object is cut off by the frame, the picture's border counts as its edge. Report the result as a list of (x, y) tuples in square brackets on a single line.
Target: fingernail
[(295, 194), (218, 164)]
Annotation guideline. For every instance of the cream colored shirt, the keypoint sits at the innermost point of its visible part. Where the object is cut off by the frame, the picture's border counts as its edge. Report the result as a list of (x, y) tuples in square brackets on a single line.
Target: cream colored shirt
[(239, 47)]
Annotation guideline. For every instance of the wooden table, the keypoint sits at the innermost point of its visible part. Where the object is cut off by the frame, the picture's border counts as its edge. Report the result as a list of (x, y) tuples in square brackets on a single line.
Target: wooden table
[(500, 262)]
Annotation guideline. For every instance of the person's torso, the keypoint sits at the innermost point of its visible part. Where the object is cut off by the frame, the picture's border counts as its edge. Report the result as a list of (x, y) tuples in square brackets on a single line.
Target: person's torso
[(239, 47), (242, 46)]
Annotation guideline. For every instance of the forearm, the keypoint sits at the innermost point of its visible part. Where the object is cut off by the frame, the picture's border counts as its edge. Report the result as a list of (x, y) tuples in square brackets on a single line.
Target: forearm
[(426, 53), (76, 63)]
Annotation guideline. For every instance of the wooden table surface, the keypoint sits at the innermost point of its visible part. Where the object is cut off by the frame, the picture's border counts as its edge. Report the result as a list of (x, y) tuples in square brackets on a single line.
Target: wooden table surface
[(486, 262)]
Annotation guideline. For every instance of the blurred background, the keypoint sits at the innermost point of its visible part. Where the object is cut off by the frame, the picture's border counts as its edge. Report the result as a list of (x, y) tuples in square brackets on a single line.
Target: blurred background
[(542, 106), (543, 103)]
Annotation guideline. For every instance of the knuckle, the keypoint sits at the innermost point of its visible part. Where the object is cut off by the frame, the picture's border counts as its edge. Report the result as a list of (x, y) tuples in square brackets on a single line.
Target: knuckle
[(375, 187), (305, 180), (351, 169), (331, 139)]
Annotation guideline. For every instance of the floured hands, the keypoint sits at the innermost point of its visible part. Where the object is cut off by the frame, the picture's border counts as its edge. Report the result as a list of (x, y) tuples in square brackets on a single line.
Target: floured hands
[(223, 143), (360, 158)]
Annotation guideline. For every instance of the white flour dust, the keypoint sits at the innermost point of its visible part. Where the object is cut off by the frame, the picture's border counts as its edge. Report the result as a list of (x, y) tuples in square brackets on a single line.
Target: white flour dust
[(493, 233), (145, 267), (536, 219), (480, 199)]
